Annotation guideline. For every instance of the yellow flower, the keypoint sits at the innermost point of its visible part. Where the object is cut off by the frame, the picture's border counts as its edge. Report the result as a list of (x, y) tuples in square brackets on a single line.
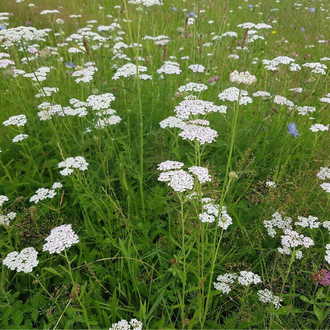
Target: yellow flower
[(273, 32)]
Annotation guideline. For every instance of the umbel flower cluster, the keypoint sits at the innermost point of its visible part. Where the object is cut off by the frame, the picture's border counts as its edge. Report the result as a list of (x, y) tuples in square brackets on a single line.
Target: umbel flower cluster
[(180, 180), (187, 120)]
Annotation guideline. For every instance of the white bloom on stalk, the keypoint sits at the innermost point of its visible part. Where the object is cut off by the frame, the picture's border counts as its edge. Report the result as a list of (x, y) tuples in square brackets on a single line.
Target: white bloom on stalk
[(23, 261), (169, 165), (326, 187), (202, 173), (242, 78), (232, 94), (60, 238), (20, 137), (246, 278), (42, 194), (266, 297), (19, 120), (71, 163), (324, 173)]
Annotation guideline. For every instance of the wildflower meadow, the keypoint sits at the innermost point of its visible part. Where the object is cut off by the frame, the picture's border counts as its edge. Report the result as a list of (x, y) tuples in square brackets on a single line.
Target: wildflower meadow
[(164, 164)]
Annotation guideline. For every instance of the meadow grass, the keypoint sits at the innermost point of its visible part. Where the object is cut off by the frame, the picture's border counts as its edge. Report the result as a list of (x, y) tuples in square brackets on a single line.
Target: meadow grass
[(143, 251)]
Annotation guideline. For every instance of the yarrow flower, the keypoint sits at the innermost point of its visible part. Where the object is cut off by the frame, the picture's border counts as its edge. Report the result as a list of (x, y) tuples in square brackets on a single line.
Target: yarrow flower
[(71, 163), (19, 138), (23, 261), (60, 238), (3, 199), (232, 94), (133, 324), (266, 297), (242, 78), (271, 184), (324, 173), (5, 219), (42, 194), (19, 120)]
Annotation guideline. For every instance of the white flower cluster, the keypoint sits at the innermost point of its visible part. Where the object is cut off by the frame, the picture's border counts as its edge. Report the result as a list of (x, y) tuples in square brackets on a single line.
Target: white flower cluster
[(169, 68), (19, 120), (262, 94), (277, 222), (242, 78), (129, 70), (41, 194), (85, 74), (3, 199), (319, 128), (281, 100), (310, 222), (324, 173), (197, 68), (271, 184), (169, 165), (60, 238), (244, 278), (223, 282), (98, 102), (71, 163), (326, 187), (202, 173), (211, 213), (327, 253), (5, 219), (133, 324), (232, 94), (199, 133), (179, 179), (266, 297), (192, 87), (172, 122), (305, 110), (39, 75), (19, 138), (23, 261), (188, 108), (47, 91), (316, 67), (293, 239), (21, 34), (146, 3)]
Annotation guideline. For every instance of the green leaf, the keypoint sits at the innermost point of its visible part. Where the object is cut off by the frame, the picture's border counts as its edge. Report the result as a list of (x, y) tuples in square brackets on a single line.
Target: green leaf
[(53, 271), (318, 313), (18, 317), (35, 315)]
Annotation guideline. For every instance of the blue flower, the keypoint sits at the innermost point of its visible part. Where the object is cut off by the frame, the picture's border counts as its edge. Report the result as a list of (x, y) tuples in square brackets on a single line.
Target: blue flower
[(174, 8), (292, 129), (312, 10), (192, 13), (2, 27), (250, 6), (302, 29), (70, 65)]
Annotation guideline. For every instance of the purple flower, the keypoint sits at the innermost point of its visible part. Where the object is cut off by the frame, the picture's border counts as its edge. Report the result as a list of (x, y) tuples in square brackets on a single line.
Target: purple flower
[(27, 23), (70, 65), (321, 277), (292, 129), (213, 79)]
